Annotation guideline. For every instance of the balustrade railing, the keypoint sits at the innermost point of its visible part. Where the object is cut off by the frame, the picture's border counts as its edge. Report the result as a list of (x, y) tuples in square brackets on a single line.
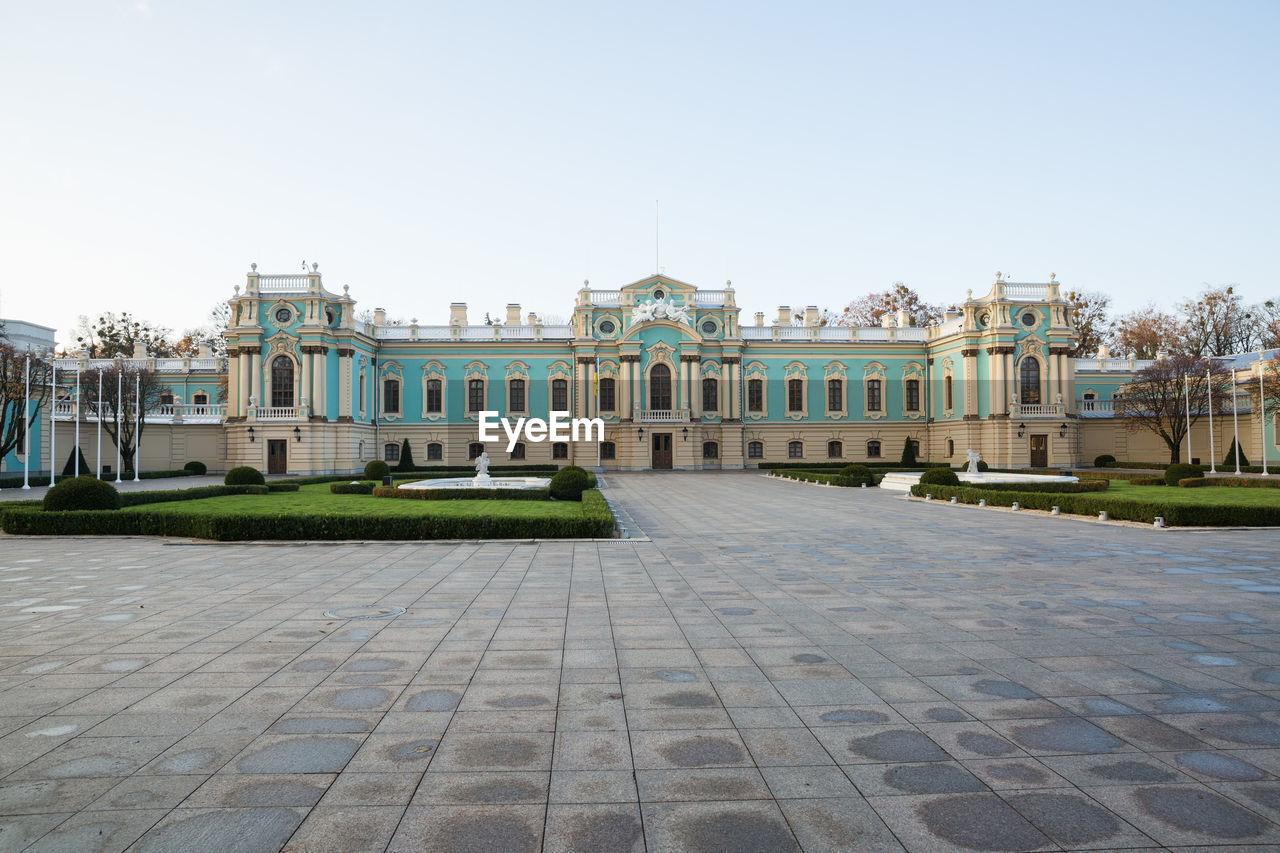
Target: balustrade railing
[(710, 297), (282, 284), (1096, 406), (661, 416), (279, 413)]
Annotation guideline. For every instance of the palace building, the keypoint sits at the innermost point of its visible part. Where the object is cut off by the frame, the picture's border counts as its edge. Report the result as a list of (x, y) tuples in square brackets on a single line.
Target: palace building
[(675, 375)]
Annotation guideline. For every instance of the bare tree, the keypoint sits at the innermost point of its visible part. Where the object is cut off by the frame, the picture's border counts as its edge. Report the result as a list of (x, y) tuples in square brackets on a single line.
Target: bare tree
[(867, 310), (1171, 393), (1093, 324), (1146, 332), (109, 335), (1215, 323), (1266, 323), (126, 378), (15, 426)]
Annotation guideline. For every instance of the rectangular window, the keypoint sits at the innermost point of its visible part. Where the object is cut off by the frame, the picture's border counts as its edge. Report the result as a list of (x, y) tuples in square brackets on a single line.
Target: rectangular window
[(475, 396), (710, 395), (608, 396), (795, 395), (391, 452), (755, 395), (755, 450), (710, 450), (435, 396), (559, 450), (559, 395), (435, 452), (515, 389), (913, 395), (873, 395), (517, 452), (391, 396), (835, 395), (947, 393), (474, 449), (607, 450), (795, 450)]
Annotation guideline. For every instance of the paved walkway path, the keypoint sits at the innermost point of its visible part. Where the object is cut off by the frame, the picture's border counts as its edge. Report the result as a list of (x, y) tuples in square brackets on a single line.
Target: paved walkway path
[(783, 666)]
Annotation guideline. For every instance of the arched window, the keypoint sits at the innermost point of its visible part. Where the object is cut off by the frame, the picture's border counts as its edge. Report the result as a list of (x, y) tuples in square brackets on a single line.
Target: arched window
[(951, 448), (608, 395), (873, 449), (391, 452), (517, 452), (660, 388), (947, 393), (873, 395), (475, 396), (755, 450), (912, 403), (1029, 380), (282, 382), (915, 448), (710, 395), (360, 392), (710, 450), (474, 449), (835, 449), (435, 451), (795, 395), (515, 395), (795, 450), (835, 395), (435, 396), (560, 450), (391, 396)]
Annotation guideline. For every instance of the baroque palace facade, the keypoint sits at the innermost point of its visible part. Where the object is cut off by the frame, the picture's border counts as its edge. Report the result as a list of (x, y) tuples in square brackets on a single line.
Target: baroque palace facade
[(670, 369)]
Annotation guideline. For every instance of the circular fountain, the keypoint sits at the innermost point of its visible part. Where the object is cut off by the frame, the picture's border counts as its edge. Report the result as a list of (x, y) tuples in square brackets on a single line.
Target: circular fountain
[(902, 481), (481, 480)]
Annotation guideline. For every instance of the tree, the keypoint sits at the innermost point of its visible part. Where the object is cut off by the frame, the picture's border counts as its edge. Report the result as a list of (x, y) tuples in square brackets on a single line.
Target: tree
[(1270, 387), (1266, 324), (1093, 324), (406, 457), (1145, 332), (1156, 399), (908, 453), (15, 426), (826, 317), (1215, 323), (110, 335), (867, 310), (1232, 452), (128, 378), (69, 469)]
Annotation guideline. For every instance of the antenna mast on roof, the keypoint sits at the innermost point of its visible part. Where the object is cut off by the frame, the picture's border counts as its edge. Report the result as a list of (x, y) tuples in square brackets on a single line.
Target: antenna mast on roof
[(656, 268)]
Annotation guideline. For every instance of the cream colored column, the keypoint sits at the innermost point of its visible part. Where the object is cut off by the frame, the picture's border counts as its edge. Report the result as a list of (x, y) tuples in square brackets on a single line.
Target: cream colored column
[(305, 386), (233, 386), (246, 380), (344, 385), (696, 408), (637, 393), (624, 379), (969, 381), (593, 399), (319, 379), (726, 382), (683, 402), (1054, 385), (735, 396), (1008, 378), (1000, 405), (255, 372)]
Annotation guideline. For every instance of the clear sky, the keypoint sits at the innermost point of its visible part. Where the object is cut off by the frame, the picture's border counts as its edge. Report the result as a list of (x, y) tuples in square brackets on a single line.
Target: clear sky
[(496, 152)]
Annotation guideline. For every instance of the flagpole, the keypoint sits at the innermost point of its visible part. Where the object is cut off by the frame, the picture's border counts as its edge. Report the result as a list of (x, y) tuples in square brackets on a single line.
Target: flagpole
[(137, 426), (119, 406), (97, 416), (1235, 421), (1213, 463), (77, 413), (53, 424), (26, 428), (1187, 380), (1262, 405)]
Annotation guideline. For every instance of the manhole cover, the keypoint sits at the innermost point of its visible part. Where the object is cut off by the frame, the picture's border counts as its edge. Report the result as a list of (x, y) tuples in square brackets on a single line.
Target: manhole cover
[(363, 611)]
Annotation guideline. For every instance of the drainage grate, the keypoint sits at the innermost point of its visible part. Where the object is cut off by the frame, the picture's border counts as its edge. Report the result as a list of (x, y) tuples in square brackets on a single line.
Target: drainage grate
[(363, 611)]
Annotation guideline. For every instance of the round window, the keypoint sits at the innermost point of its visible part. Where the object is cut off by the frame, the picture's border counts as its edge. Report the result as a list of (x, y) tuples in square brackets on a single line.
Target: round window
[(607, 327), (283, 315), (1028, 319), (709, 327), (983, 319), (658, 294)]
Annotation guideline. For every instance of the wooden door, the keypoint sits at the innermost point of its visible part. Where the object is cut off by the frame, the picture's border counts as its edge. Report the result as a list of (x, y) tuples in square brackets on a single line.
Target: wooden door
[(662, 450), (277, 456), (1039, 451)]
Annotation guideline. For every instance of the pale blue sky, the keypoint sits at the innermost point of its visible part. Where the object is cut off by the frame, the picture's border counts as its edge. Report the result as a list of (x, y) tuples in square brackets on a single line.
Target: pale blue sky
[(496, 152)]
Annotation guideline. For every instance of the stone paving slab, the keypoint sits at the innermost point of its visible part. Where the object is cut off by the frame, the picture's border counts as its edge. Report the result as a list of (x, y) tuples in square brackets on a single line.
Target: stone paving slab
[(776, 667)]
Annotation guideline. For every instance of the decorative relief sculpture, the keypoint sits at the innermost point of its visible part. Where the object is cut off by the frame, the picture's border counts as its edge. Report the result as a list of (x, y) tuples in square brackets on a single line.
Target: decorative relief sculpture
[(660, 309)]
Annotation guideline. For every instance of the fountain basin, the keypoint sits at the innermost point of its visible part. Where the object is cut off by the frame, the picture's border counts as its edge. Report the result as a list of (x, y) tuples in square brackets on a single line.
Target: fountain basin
[(902, 481), (479, 483)]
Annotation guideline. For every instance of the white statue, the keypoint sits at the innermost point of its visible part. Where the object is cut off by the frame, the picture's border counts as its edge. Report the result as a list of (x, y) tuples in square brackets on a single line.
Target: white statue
[(660, 309), (482, 465), (973, 458)]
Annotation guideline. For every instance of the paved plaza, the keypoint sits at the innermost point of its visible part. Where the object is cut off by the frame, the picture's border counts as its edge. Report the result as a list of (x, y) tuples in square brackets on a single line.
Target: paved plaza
[(776, 666)]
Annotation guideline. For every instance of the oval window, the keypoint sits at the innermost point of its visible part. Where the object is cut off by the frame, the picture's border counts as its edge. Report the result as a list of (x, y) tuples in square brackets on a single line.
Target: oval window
[(709, 327), (283, 315), (1028, 319), (658, 294), (607, 327)]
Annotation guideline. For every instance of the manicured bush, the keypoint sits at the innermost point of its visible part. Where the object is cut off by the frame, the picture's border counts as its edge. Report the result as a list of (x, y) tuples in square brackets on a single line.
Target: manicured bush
[(983, 466), (406, 457), (170, 495), (859, 473), (70, 467), (1230, 459), (939, 477), (87, 493), (282, 487), (244, 475), (351, 488), (197, 469), (591, 477), (1232, 482), (836, 466), (1181, 471), (568, 484), (376, 470), (1146, 481), (908, 453), (461, 494), (825, 477), (1057, 488), (1104, 461)]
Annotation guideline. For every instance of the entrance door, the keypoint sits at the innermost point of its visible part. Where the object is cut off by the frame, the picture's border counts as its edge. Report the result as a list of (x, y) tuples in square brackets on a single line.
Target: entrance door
[(1039, 451), (277, 456), (662, 450)]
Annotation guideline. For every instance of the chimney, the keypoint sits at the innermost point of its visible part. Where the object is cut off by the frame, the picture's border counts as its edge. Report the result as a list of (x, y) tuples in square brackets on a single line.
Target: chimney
[(205, 351), (457, 313), (1104, 351), (904, 319), (532, 320), (1162, 354), (951, 314), (139, 349), (380, 316), (759, 318), (784, 315), (513, 314), (811, 315), (887, 320)]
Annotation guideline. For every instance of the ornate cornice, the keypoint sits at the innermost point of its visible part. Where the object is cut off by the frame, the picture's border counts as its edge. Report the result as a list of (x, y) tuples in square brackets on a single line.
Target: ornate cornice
[(629, 358), (690, 358), (969, 353), (731, 359)]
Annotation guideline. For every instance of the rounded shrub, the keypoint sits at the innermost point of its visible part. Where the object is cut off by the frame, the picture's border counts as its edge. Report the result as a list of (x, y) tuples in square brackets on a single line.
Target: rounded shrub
[(376, 470), (939, 477), (859, 473), (1106, 460), (1181, 471), (983, 466), (199, 469), (82, 493), (245, 475), (569, 484)]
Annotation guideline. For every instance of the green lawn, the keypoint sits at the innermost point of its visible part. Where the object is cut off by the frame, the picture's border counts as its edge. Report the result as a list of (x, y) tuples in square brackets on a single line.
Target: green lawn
[(317, 498), (1207, 495)]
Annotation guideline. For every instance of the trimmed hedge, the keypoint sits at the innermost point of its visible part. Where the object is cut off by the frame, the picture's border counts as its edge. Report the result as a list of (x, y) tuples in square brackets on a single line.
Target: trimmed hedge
[(822, 477), (939, 477), (351, 488), (1181, 471), (825, 466), (282, 487), (1054, 488), (1175, 515), (376, 469), (244, 476), (1149, 466), (197, 469), (860, 474), (461, 494), (82, 493), (1147, 481), (1232, 482), (170, 495), (595, 521), (568, 484)]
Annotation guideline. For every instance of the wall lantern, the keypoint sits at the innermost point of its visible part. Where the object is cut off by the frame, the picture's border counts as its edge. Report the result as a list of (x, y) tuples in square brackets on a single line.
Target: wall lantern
[(297, 434), (1022, 430), (641, 432), (251, 435), (686, 433), (1062, 430)]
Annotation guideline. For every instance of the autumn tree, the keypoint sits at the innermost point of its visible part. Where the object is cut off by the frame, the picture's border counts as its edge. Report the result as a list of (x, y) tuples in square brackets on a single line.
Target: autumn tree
[(1092, 321), (1215, 323), (110, 335), (15, 425), (867, 310), (1145, 332), (1170, 395), (123, 385), (1266, 321)]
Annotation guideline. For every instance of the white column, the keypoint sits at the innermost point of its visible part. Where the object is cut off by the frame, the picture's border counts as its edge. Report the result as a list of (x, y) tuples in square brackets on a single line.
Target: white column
[(320, 378), (683, 402), (696, 403), (233, 386), (255, 377), (624, 379), (304, 387), (593, 398)]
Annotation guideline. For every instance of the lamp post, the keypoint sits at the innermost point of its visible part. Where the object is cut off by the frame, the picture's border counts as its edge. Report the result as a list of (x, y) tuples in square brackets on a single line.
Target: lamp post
[(1187, 390)]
